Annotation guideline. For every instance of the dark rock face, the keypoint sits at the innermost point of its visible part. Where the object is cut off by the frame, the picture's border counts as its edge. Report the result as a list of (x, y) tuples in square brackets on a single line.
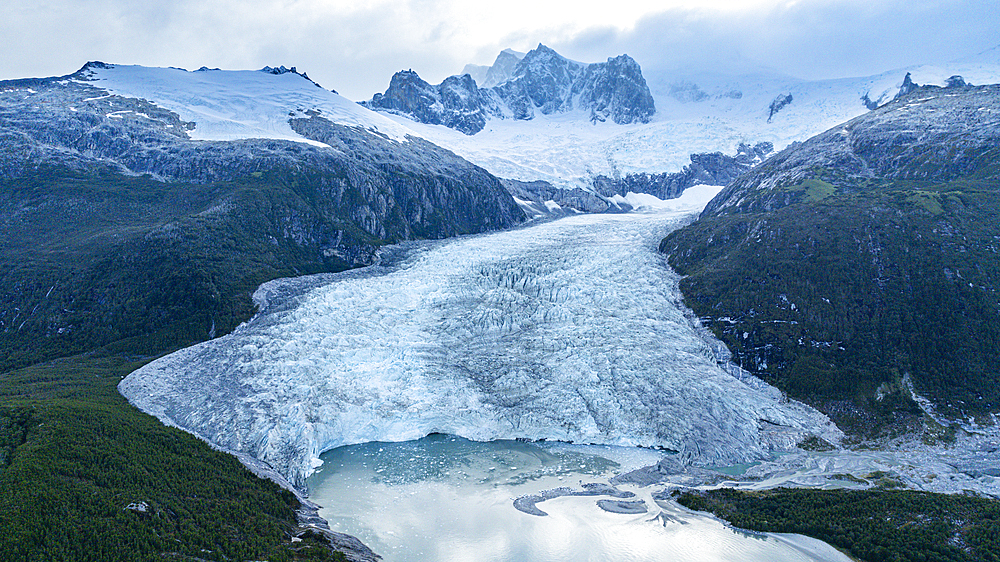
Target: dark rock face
[(908, 86), (778, 104), (541, 82), (545, 79), (414, 189), (273, 70), (455, 103), (616, 90), (538, 192), (956, 81), (707, 168)]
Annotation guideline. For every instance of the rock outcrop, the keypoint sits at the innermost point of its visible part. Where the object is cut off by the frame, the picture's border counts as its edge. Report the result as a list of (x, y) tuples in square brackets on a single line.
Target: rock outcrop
[(455, 102), (706, 168), (778, 104)]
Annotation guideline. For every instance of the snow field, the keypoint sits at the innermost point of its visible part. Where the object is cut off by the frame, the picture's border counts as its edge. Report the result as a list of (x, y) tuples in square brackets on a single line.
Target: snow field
[(240, 104)]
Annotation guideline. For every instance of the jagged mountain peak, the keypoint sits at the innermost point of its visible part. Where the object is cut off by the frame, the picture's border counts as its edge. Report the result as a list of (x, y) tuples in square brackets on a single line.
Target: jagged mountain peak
[(95, 64), (502, 68), (545, 52), (522, 86)]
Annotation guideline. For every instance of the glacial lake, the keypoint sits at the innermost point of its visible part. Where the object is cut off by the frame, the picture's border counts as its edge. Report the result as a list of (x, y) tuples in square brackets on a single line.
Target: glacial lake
[(444, 498)]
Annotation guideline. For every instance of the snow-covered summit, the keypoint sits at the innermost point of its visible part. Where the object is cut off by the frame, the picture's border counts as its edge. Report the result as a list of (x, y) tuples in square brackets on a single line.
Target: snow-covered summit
[(238, 104), (502, 67), (697, 111)]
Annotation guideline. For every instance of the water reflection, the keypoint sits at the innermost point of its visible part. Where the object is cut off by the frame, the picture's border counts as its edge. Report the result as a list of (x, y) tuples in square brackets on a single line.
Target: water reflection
[(444, 498)]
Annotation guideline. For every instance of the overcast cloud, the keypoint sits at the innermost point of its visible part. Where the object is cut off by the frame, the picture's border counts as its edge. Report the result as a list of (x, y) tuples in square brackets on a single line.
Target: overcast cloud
[(356, 47)]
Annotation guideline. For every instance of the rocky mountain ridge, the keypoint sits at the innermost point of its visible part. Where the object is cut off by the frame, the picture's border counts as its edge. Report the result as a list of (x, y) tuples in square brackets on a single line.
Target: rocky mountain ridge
[(860, 266), (901, 140), (499, 71), (541, 82), (607, 193)]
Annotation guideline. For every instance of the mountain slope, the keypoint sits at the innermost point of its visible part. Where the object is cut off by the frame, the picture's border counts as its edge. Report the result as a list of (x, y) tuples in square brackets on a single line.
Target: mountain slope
[(139, 209), (116, 224), (849, 267), (499, 71), (236, 104)]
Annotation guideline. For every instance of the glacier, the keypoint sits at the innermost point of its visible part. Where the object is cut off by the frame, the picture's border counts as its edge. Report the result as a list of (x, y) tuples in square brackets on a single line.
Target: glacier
[(571, 330)]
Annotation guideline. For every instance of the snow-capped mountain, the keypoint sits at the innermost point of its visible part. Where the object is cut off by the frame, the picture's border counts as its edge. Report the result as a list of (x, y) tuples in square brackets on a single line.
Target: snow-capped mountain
[(542, 82), (697, 111), (135, 168)]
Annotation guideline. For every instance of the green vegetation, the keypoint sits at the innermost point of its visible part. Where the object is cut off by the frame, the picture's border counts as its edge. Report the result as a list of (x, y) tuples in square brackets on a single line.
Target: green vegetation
[(872, 526), (837, 296), (927, 200), (813, 443), (76, 455), (848, 478), (92, 259), (815, 190), (99, 273)]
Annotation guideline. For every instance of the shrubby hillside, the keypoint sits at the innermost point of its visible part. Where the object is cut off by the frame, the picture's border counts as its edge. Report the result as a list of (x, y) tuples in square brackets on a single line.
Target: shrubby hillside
[(863, 261)]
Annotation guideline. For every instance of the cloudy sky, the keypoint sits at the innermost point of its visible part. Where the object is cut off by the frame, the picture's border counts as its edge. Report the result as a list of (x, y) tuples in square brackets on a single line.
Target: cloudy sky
[(355, 47)]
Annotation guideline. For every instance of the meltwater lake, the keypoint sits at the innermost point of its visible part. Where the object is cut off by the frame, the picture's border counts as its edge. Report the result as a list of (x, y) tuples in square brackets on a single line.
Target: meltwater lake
[(446, 499)]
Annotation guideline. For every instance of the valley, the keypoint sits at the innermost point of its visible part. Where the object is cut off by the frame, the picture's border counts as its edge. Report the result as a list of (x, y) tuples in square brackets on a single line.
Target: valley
[(739, 293), (569, 330)]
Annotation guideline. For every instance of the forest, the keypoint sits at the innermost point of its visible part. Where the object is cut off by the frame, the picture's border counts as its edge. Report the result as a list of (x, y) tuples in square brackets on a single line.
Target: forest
[(102, 273), (880, 525)]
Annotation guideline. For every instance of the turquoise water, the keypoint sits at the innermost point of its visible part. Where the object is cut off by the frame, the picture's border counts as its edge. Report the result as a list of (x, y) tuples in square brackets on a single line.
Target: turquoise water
[(444, 498)]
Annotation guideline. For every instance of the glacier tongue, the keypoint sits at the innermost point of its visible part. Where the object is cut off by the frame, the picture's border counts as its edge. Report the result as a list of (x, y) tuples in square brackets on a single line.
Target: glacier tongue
[(569, 330)]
